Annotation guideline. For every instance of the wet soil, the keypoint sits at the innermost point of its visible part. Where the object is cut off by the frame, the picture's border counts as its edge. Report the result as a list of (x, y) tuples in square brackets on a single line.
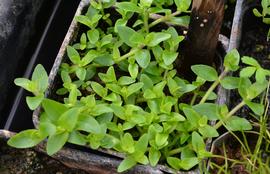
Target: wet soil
[(28, 161)]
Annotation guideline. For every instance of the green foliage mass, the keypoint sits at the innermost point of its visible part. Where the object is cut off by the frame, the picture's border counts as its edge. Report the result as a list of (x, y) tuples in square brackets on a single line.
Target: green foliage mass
[(121, 90)]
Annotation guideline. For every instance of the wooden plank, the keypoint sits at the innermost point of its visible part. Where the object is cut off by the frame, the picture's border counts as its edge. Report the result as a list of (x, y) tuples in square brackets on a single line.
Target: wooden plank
[(202, 37)]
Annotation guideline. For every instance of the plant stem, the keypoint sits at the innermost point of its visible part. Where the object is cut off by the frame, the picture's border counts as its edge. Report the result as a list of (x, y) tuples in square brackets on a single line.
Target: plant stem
[(164, 18), (145, 20), (194, 98), (213, 86), (175, 151), (130, 53), (176, 107), (233, 111)]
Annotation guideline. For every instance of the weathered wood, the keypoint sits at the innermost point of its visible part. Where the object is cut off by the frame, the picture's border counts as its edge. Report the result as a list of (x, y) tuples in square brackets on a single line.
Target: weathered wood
[(202, 37)]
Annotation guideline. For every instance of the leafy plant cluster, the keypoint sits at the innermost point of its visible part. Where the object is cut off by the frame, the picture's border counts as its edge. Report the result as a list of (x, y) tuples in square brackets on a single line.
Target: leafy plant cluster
[(255, 151), (264, 14), (121, 91)]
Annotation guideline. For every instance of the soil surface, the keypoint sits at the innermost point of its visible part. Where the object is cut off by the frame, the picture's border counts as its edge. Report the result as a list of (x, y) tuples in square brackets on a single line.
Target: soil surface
[(27, 161)]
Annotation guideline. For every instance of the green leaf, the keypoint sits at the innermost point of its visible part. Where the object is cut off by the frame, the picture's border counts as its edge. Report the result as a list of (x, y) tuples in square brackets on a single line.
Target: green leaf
[(125, 34), (107, 39), (126, 164), (182, 5), (128, 6), (231, 60), (114, 88), (187, 153), (101, 109), (100, 90), (53, 109), (125, 80), (244, 85), (119, 111), (230, 82), (142, 144), (247, 72), (40, 77), (88, 124), (46, 128), (169, 57), (155, 38), (73, 55), (93, 36), (109, 76), (69, 119), (134, 88), (192, 116), (197, 142), (260, 75), (189, 163), (24, 83), (112, 97), (257, 13), (238, 124), (148, 83), (208, 131), (84, 20), (137, 39), (143, 58), (174, 162), (161, 139), (104, 60), (154, 156), (205, 72), (250, 61), (83, 41), (256, 89), (146, 3), (81, 73), (56, 142), (77, 138), (257, 108), (25, 139), (88, 58), (210, 110), (109, 141), (34, 102), (133, 70), (127, 143)]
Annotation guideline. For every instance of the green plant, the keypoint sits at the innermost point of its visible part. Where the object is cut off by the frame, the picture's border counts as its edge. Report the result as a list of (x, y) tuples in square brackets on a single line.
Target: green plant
[(264, 14), (254, 152), (121, 91)]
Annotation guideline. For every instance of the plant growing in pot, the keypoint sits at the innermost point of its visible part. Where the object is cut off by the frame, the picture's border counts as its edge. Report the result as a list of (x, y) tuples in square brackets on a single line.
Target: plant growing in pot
[(120, 90), (246, 151)]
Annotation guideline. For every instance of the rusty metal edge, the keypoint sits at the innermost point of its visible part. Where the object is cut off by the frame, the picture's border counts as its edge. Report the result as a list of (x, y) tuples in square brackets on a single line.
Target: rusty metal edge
[(82, 160)]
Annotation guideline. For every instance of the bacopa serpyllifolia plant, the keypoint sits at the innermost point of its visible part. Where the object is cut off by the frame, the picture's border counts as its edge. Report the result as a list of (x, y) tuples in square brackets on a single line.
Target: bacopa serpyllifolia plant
[(120, 89)]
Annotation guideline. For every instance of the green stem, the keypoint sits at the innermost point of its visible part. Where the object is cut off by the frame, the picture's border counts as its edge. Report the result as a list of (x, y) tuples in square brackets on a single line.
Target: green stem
[(213, 86), (164, 18), (130, 53), (165, 74), (175, 151), (231, 113), (176, 107), (145, 20), (194, 98)]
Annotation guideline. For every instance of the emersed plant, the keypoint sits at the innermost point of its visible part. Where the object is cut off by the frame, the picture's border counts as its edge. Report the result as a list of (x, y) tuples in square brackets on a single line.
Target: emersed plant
[(264, 14), (121, 91)]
